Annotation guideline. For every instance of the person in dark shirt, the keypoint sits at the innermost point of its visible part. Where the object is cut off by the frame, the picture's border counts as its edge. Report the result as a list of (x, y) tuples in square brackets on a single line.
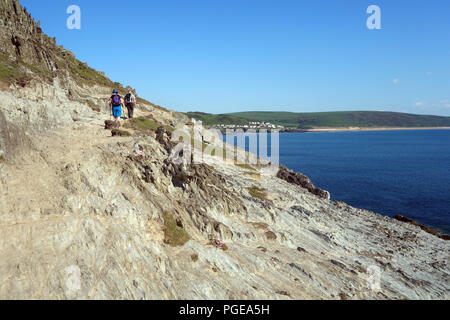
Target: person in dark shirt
[(116, 103)]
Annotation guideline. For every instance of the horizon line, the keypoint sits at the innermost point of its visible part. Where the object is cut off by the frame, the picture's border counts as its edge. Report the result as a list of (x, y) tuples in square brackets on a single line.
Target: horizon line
[(297, 112)]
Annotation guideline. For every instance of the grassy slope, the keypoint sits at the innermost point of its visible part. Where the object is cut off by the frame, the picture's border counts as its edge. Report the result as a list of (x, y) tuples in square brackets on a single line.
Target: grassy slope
[(29, 64), (328, 119), (210, 119)]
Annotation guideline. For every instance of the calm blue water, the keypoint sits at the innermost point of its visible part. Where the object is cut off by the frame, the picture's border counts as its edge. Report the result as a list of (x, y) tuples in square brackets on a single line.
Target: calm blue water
[(389, 172)]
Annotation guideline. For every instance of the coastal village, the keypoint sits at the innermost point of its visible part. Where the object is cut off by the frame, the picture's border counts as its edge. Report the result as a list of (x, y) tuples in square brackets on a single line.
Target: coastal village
[(250, 125)]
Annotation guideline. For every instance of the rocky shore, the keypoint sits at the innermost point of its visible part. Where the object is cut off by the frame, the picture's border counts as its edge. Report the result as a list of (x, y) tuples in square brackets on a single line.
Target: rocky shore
[(79, 199)]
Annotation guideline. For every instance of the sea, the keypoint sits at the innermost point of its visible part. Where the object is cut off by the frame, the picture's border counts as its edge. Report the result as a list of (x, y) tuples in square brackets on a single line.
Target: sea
[(394, 172)]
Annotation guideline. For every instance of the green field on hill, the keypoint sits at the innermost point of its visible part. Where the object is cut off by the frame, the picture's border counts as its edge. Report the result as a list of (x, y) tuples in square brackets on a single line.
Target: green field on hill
[(369, 119)]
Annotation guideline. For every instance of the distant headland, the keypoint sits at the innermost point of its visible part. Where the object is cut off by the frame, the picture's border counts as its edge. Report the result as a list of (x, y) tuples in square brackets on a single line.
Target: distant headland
[(322, 121)]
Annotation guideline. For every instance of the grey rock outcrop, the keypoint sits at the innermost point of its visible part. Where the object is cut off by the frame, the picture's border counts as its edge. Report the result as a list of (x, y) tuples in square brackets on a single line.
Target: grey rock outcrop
[(81, 200), (302, 181)]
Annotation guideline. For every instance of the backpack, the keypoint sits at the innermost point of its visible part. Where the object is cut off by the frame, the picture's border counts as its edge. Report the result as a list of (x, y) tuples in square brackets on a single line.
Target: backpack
[(116, 100), (129, 98)]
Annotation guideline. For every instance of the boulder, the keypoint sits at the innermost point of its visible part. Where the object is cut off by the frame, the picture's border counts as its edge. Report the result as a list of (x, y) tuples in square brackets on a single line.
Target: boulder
[(302, 181), (110, 125)]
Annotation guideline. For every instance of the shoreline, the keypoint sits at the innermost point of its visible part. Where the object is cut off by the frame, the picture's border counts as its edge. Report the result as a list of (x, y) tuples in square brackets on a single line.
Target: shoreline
[(349, 129), (362, 129)]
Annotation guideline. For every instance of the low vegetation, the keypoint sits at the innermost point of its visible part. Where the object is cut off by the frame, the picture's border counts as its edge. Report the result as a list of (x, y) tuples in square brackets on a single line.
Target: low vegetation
[(210, 119), (2, 159), (39, 70), (259, 193), (86, 75), (93, 105), (174, 235), (22, 71), (109, 124), (194, 257), (120, 133), (10, 71), (145, 125)]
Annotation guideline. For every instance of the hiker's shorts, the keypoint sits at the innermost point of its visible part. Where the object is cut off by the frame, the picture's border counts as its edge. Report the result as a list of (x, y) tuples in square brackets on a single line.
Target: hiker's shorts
[(117, 111)]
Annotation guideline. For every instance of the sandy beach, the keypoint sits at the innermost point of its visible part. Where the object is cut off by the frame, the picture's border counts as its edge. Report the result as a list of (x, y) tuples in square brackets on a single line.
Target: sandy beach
[(373, 129)]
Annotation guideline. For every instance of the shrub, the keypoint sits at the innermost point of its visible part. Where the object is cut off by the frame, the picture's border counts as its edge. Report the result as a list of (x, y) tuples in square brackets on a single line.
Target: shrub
[(120, 133), (174, 235), (109, 124)]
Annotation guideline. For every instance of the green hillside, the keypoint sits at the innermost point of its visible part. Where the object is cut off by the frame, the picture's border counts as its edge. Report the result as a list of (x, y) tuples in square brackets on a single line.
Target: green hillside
[(369, 119), (211, 119)]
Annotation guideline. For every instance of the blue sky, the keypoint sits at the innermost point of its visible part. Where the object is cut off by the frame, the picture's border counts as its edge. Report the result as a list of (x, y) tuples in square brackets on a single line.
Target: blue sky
[(223, 56)]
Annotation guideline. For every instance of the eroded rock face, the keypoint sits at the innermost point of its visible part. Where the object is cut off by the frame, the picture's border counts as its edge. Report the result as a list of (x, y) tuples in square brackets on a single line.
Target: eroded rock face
[(21, 36), (96, 204), (164, 138), (13, 138), (199, 183), (46, 85), (424, 228), (302, 181)]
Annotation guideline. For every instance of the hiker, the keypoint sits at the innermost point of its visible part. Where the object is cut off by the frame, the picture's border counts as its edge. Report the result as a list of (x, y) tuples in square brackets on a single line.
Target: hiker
[(116, 104), (130, 103)]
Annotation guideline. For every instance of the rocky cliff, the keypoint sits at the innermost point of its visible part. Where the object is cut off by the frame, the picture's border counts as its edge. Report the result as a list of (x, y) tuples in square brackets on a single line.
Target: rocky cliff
[(84, 215), (43, 85)]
